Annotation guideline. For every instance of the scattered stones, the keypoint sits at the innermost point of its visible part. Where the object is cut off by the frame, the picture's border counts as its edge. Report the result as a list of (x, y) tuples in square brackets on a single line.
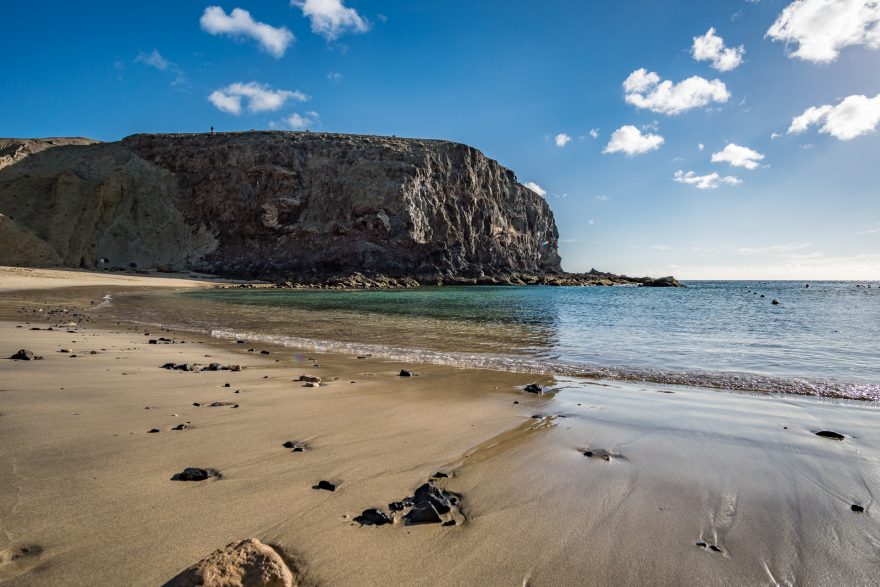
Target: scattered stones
[(857, 508), (195, 474), (603, 455), (295, 446), (65, 350), (533, 388), (219, 367), (182, 427), (311, 384), (405, 373), (830, 434), (711, 547), (25, 355), (310, 378), (325, 485), (265, 353), (775, 302), (153, 431), (440, 475), (373, 517), (248, 563)]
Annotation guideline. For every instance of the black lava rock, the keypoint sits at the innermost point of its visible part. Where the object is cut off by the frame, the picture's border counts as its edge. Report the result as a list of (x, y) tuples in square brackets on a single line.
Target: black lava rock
[(152, 431), (25, 355), (830, 434), (857, 508), (405, 373), (533, 388), (326, 485), (192, 474), (373, 517)]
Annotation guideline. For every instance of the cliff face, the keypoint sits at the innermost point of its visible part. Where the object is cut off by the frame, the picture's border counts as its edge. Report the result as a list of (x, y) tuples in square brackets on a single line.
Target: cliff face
[(271, 204)]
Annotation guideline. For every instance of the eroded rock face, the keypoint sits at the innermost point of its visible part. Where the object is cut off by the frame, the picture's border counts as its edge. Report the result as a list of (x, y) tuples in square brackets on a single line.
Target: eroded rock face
[(248, 563), (271, 204)]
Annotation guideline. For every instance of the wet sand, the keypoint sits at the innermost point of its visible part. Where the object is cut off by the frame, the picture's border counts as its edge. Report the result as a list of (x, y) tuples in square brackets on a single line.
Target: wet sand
[(681, 485)]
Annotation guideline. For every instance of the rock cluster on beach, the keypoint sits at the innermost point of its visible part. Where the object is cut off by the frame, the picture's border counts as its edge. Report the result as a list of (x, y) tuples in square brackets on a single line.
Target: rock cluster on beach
[(429, 504)]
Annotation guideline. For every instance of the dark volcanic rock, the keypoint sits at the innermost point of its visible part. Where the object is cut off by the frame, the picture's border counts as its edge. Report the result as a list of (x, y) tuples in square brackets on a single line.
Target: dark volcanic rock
[(668, 281), (533, 388), (326, 485), (275, 204), (830, 434), (857, 508), (194, 474), (405, 373), (373, 517), (25, 355)]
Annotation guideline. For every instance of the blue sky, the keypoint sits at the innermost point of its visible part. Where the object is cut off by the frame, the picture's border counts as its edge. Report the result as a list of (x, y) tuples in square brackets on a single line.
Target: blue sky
[(508, 77)]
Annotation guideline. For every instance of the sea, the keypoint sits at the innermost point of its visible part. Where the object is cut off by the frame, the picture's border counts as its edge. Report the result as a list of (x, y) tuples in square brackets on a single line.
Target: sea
[(821, 338)]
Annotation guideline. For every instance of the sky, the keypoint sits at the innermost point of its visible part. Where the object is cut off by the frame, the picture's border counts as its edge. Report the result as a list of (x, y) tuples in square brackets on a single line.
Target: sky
[(710, 140)]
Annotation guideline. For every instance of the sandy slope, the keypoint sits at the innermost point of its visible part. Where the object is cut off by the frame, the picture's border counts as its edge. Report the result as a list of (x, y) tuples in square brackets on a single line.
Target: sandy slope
[(89, 490)]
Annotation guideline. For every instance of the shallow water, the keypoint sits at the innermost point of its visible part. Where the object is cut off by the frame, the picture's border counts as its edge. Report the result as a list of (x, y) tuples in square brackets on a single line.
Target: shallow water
[(820, 340)]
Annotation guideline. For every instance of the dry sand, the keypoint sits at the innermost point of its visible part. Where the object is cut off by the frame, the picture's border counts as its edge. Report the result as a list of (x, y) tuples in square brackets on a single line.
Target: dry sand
[(86, 496)]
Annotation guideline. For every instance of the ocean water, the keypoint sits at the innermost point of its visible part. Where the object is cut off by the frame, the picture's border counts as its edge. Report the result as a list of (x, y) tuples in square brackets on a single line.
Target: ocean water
[(820, 340)]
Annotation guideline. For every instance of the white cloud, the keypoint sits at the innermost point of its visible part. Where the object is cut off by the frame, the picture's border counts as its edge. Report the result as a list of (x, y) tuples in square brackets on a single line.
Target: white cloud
[(335, 77), (644, 89), (153, 59), (710, 47), (331, 18), (821, 28), (561, 139), (239, 23), (704, 182), (297, 121), (774, 136), (853, 116), (594, 132), (602, 198), (738, 156), (701, 146), (259, 97), (536, 188), (630, 140)]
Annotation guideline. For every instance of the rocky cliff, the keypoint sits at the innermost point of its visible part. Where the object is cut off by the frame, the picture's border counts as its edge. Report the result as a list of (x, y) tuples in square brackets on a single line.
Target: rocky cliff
[(271, 204)]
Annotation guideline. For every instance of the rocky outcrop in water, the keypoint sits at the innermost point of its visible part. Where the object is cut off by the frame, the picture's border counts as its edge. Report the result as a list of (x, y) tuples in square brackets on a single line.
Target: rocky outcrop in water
[(261, 204)]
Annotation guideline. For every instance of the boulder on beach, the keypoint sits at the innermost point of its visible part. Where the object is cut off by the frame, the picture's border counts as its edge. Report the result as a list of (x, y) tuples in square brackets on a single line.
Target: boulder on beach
[(247, 563), (25, 355), (310, 378)]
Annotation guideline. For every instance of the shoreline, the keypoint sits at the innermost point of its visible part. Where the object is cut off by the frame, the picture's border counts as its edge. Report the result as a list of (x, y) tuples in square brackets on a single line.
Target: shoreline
[(687, 467)]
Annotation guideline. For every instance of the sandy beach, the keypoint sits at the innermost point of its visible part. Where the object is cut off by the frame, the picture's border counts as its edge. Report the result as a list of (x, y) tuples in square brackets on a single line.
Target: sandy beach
[(593, 483)]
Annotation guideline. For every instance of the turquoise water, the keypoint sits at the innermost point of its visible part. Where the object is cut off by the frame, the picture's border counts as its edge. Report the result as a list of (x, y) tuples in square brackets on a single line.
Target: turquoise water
[(822, 340)]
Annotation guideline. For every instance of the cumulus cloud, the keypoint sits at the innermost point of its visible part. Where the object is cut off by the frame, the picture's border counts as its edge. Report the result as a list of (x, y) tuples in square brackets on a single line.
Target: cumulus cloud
[(298, 121), (562, 139), (738, 156), (853, 116), (259, 97), (821, 28), (704, 182), (594, 132), (239, 23), (645, 89), (630, 140), (536, 188), (331, 18), (710, 47)]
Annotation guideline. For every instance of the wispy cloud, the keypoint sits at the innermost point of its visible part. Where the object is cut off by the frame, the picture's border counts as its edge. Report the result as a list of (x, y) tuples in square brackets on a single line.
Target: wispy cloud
[(335, 77), (155, 60), (774, 249), (536, 188), (298, 121), (709, 181), (239, 23)]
